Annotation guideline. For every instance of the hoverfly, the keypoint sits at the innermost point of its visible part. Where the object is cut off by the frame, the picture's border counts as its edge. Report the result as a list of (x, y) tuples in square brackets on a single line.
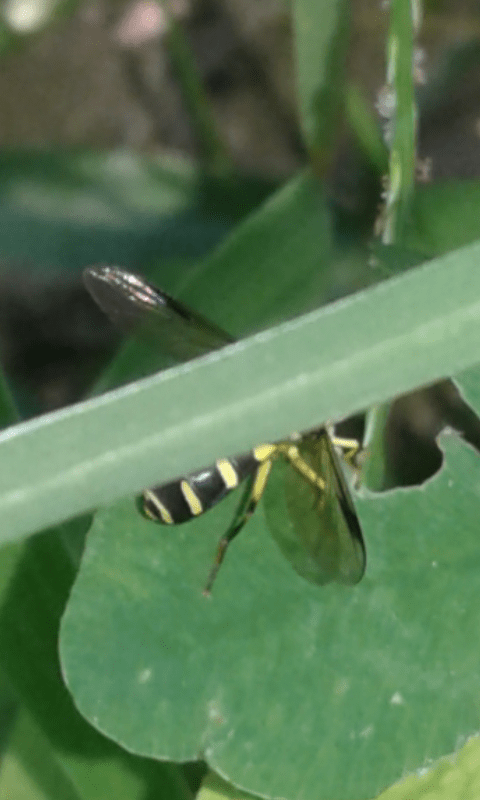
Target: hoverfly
[(326, 542)]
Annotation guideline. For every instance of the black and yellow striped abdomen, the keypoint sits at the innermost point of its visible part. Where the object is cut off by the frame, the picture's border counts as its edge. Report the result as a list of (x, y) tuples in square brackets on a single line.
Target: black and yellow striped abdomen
[(187, 497)]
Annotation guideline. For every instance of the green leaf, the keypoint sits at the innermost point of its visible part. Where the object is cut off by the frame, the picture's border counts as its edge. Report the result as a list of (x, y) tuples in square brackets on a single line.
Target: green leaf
[(212, 151), (215, 788), (36, 580), (279, 263), (31, 769), (455, 777), (364, 123), (277, 683), (70, 209), (445, 215)]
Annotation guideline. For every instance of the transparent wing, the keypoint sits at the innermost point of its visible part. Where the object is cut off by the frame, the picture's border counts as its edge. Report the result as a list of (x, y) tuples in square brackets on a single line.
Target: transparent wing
[(320, 532), (139, 308)]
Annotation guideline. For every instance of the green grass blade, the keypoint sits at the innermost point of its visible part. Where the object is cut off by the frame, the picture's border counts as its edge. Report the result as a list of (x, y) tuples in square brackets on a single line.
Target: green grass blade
[(405, 332), (403, 133), (322, 31)]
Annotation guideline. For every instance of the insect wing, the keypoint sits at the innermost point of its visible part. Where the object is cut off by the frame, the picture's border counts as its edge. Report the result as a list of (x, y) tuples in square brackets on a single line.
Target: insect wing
[(139, 308), (319, 533), (350, 545)]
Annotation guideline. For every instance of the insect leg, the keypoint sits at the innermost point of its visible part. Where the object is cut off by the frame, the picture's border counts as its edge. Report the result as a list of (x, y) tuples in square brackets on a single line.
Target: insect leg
[(352, 449), (248, 503), (353, 455), (292, 454)]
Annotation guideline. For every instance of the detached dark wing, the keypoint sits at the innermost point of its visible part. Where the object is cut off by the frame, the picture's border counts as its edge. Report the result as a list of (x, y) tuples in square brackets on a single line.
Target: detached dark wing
[(140, 309)]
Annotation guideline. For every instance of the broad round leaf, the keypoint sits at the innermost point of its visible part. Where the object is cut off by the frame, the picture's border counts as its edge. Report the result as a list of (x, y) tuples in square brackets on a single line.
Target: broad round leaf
[(287, 689)]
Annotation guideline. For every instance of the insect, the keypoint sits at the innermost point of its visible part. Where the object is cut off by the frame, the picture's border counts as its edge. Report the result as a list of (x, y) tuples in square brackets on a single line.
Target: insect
[(324, 541)]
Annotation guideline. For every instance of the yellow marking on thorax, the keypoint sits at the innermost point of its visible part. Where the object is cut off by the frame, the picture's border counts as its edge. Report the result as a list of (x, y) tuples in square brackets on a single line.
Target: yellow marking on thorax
[(263, 451), (228, 473), (191, 498), (162, 511)]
